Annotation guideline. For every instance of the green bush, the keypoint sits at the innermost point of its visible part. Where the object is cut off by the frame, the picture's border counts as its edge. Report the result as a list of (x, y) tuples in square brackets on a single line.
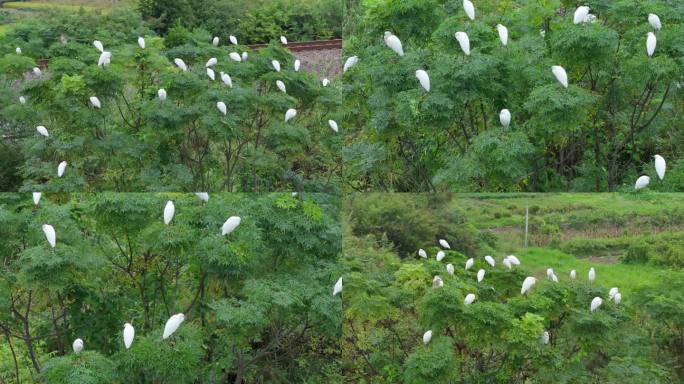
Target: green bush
[(637, 254)]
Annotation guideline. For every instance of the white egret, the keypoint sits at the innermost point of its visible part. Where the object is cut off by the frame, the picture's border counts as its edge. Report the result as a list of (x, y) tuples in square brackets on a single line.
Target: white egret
[(141, 42), (233, 40), (50, 234), (169, 210), (297, 64), (507, 263), (469, 9), (612, 292), (573, 274), (617, 298), (37, 71), (128, 334), (463, 41), (211, 74), (450, 269), (235, 56), (105, 59), (554, 278), (43, 131), (592, 275), (444, 244), (437, 282), (18, 51), (642, 182), (469, 299), (276, 65), (211, 62), (654, 20), (424, 79), (181, 64), (595, 303), (490, 260), (61, 168), (215, 41), (469, 263), (651, 42), (527, 284), (427, 336), (162, 94), (281, 86), (505, 118), (560, 74), (290, 114), (394, 43), (172, 324), (22, 99), (440, 255), (202, 196), (283, 40), (333, 125), (230, 225), (222, 107), (95, 102), (513, 259), (503, 34), (226, 79), (36, 197), (545, 337), (244, 56), (580, 14), (325, 82), (338, 287), (660, 166), (98, 45), (77, 345), (549, 272), (422, 253), (352, 61), (480, 275)]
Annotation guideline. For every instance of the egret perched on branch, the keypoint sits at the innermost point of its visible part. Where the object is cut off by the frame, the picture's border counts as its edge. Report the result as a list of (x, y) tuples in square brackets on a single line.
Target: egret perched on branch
[(181, 64), (503, 34), (95, 102), (352, 61), (469, 263), (230, 225), (642, 182), (233, 40), (580, 14), (169, 211), (222, 107), (128, 334), (424, 79), (281, 86), (437, 282), (42, 131), (172, 324), (505, 118), (105, 59), (560, 74), (211, 74), (215, 41), (338, 287), (202, 196), (573, 274), (469, 299), (276, 65), (651, 42), (211, 62), (22, 100), (595, 303), (235, 56), (78, 346), (490, 260), (427, 336), (50, 234), (463, 41), (591, 275), (394, 43), (162, 94), (480, 275), (98, 45), (325, 82), (226, 79), (527, 284), (290, 114), (297, 64), (444, 244), (450, 269), (654, 20), (141, 42), (469, 9), (61, 168), (36, 197), (333, 125), (660, 166), (440, 255), (18, 51), (422, 253)]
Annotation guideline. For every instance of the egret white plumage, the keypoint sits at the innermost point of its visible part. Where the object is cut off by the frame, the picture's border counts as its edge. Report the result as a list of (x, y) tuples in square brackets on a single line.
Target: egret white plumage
[(427, 336), (169, 211), (211, 74), (560, 74), (422, 253), (233, 40), (480, 275), (469, 9), (276, 65), (642, 182), (654, 20), (490, 260), (230, 225), (202, 196), (98, 45), (235, 56), (325, 82), (22, 99), (469, 299), (77, 346), (554, 278), (244, 56), (612, 292), (437, 282), (37, 71), (141, 42), (573, 274), (595, 303), (181, 64), (162, 94), (352, 61), (469, 263), (503, 34), (36, 197), (591, 275), (211, 62), (226, 79), (545, 337), (450, 269), (18, 51), (333, 125), (394, 43), (580, 14), (549, 272), (424, 79), (61, 168), (283, 40), (105, 59), (617, 298), (440, 255), (463, 41), (444, 244), (215, 41), (513, 259), (507, 263), (95, 102), (338, 287), (660, 166), (42, 131), (128, 334), (50, 234), (297, 64), (651, 42), (290, 114), (505, 118), (527, 284), (281, 86), (172, 324)]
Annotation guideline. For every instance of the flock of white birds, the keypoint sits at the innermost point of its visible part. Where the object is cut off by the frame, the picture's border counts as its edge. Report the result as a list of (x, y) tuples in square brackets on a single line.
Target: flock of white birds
[(508, 262), (174, 321), (580, 16)]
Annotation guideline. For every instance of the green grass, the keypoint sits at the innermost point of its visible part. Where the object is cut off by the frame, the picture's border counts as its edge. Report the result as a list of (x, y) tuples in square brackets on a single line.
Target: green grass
[(35, 6)]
